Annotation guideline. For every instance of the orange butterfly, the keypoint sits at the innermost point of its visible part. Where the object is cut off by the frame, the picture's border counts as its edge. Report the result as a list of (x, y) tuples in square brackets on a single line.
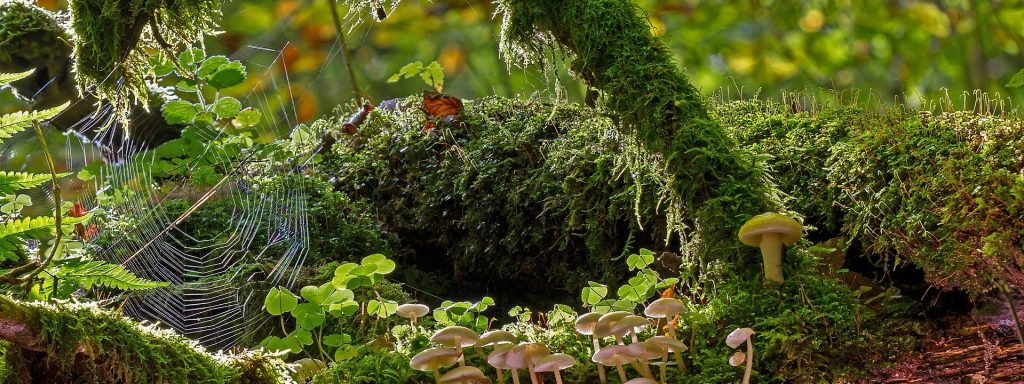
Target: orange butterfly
[(439, 106)]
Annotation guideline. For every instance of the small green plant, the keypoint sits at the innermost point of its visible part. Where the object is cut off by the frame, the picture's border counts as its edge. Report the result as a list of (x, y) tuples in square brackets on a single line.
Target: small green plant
[(335, 299), (432, 74), (637, 290), (1017, 80)]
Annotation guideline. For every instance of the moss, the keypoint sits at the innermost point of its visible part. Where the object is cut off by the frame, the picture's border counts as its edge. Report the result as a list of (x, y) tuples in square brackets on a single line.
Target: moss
[(613, 51), (85, 344), (31, 37), (541, 196), (939, 190), (114, 37)]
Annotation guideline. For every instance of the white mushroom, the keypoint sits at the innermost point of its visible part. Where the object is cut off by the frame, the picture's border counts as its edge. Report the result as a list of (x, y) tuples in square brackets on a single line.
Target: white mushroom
[(412, 312), (585, 326), (464, 375), (665, 308), (615, 355), (555, 363), (455, 337), (668, 344), (499, 360), (433, 359), (737, 337)]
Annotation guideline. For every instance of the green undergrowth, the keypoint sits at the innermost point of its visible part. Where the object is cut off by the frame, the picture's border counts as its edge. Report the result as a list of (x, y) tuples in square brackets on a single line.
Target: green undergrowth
[(85, 344), (540, 195), (939, 190)]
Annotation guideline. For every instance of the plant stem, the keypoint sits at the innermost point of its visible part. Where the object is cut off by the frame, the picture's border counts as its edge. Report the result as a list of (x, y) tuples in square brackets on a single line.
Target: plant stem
[(750, 361), (344, 52), (1013, 313)]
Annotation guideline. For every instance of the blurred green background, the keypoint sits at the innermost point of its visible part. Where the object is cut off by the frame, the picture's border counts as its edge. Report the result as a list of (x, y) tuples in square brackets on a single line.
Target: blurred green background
[(912, 48)]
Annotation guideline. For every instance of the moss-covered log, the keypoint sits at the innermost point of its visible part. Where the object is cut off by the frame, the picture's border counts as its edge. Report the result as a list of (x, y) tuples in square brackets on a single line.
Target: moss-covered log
[(81, 343), (614, 51)]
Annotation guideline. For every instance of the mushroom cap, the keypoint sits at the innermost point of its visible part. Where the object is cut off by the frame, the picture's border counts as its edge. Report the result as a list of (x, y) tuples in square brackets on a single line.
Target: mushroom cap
[(789, 230), (586, 322), (554, 362), (495, 337), (737, 358), (455, 336), (613, 355), (667, 344), (412, 311), (641, 380), (499, 357), (738, 336), (665, 307), (627, 324), (644, 351), (433, 358), (464, 375), (525, 354), (605, 322)]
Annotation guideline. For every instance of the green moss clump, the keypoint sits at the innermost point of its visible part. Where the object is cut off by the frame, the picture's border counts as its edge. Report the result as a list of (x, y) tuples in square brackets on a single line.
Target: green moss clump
[(525, 191), (613, 50), (942, 191), (31, 37), (113, 39), (85, 344)]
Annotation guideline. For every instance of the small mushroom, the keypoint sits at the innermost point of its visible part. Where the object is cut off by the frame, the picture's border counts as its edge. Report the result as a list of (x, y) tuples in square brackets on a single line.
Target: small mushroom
[(499, 360), (555, 363), (668, 344), (528, 354), (464, 375), (433, 359), (665, 308), (455, 337), (603, 327), (412, 312), (770, 231), (494, 339), (614, 355), (645, 352), (737, 337), (630, 324), (585, 326)]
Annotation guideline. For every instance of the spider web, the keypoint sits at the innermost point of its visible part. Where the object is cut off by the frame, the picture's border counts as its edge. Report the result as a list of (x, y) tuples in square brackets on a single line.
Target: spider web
[(207, 299)]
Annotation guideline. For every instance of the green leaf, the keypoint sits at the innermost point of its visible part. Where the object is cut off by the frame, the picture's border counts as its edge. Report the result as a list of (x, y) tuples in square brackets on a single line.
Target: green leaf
[(227, 75), (227, 107), (179, 112), (187, 85), (332, 340), (279, 301), (15, 122), (593, 293), (103, 274), (434, 76), (11, 182), (640, 261), (384, 265), (382, 308), (345, 352), (189, 58), (248, 117), (210, 65), (161, 65), (1017, 80), (407, 71), (7, 78)]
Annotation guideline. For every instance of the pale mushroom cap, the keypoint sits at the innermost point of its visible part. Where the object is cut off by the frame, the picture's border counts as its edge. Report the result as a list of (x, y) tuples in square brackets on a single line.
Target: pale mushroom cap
[(464, 375), (665, 307), (644, 351), (641, 380), (667, 343), (738, 336), (455, 336), (737, 358), (495, 337), (613, 355), (627, 324), (789, 230), (554, 362), (499, 358), (586, 322), (605, 322), (516, 357), (433, 358), (412, 311), (532, 351)]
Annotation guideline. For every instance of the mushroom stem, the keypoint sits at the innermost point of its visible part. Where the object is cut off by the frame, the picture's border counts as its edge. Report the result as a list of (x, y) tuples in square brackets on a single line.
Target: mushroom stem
[(664, 365), (501, 377), (771, 251), (437, 375), (750, 361), (533, 375), (462, 355), (622, 372), (600, 368), (679, 361), (558, 377), (645, 370), (515, 376)]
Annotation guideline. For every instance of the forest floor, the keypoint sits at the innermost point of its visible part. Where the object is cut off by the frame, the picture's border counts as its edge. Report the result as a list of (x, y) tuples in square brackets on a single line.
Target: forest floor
[(980, 347)]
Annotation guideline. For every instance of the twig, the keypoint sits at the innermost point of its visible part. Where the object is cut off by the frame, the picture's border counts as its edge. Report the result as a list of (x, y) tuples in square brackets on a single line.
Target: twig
[(344, 52)]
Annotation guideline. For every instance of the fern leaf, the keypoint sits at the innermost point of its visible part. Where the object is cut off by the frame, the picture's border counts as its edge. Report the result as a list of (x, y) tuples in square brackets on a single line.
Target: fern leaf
[(12, 123), (16, 181), (7, 78), (103, 274), (27, 227)]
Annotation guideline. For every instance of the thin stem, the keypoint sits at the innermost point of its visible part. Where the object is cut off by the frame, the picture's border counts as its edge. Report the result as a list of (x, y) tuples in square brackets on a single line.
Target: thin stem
[(750, 361), (1013, 313), (344, 52), (622, 373), (600, 368)]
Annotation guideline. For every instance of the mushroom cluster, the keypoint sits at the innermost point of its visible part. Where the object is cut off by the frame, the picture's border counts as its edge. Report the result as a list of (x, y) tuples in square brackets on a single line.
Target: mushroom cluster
[(451, 341), (622, 326)]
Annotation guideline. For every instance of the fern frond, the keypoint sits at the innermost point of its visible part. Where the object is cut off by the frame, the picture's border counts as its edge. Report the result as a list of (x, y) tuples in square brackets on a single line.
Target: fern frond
[(27, 226), (103, 274), (12, 123), (16, 181), (7, 78)]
